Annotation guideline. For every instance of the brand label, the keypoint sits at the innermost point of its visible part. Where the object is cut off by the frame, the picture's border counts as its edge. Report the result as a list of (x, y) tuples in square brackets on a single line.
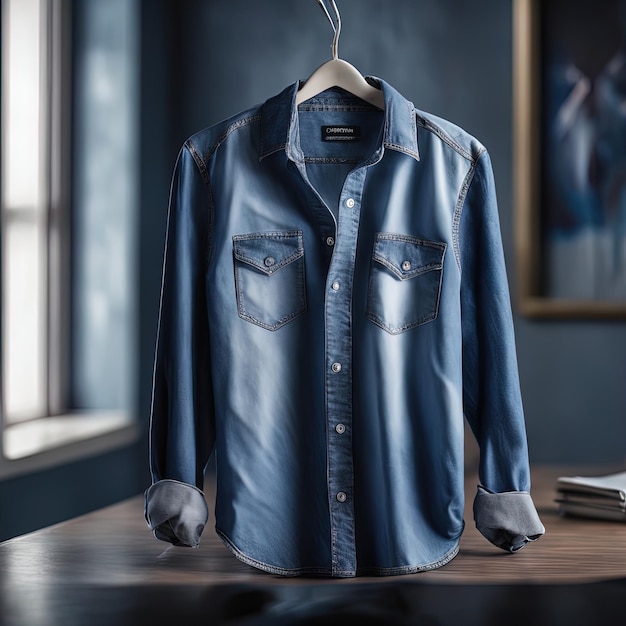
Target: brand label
[(341, 133)]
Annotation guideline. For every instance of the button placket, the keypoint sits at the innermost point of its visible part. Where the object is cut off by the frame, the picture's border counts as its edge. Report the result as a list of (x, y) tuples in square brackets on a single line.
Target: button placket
[(338, 316)]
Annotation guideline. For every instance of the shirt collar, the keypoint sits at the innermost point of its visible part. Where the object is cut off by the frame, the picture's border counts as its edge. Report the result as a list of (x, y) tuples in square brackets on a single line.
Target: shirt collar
[(279, 127)]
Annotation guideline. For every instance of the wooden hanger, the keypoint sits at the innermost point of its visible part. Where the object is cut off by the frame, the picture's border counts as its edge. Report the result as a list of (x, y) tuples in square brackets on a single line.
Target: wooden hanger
[(339, 73)]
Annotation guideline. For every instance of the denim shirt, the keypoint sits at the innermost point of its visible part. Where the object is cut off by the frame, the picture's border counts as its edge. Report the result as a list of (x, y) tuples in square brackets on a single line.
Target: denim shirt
[(334, 303)]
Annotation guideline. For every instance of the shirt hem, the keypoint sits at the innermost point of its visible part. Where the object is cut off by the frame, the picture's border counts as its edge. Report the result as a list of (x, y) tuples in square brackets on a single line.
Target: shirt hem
[(266, 567), (327, 571), (409, 569)]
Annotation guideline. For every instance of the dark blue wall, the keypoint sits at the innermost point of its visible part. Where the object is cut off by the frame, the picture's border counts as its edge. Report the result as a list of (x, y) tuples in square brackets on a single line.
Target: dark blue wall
[(204, 60), (452, 58)]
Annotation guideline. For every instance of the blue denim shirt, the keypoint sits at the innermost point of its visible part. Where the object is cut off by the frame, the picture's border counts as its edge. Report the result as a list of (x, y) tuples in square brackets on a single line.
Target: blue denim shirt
[(334, 303)]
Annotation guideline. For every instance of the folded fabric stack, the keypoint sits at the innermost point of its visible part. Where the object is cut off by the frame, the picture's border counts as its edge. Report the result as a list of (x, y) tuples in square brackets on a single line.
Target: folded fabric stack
[(601, 497)]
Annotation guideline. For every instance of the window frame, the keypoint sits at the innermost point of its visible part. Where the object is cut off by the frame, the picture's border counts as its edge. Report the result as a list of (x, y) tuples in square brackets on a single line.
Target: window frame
[(61, 434)]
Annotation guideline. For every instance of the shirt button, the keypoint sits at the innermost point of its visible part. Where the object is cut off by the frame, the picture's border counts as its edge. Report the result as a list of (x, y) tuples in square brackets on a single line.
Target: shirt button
[(341, 497), (335, 286), (330, 241), (406, 265), (269, 261), (340, 428), (336, 367), (350, 203)]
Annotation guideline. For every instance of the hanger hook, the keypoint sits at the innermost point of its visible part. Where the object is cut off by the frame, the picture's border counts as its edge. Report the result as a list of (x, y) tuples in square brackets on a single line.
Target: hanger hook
[(336, 28), (335, 44)]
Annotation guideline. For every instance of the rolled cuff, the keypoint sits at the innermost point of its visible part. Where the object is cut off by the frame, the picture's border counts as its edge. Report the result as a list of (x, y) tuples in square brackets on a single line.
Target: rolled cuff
[(508, 520), (176, 512)]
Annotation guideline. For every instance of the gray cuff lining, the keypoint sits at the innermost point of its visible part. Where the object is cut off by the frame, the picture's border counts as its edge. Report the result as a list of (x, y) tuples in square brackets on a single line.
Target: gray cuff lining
[(176, 512), (508, 520)]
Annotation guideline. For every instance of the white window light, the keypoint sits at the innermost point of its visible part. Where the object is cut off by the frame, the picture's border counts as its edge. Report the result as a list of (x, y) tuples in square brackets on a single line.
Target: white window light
[(35, 229), (24, 219)]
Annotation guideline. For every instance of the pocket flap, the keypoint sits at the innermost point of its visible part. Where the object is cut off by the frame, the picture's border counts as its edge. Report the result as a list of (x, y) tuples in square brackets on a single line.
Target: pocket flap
[(268, 252), (406, 256)]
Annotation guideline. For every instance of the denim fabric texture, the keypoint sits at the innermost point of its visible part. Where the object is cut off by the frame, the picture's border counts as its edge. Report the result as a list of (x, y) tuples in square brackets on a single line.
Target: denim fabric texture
[(334, 305)]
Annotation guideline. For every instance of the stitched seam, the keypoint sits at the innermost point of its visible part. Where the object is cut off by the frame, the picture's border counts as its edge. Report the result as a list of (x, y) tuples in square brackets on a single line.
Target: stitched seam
[(326, 160), (396, 330), (197, 157), (232, 128), (458, 210), (404, 149), (278, 234), (210, 223), (426, 125), (241, 256), (272, 569), (394, 571), (278, 148), (409, 239), (422, 269)]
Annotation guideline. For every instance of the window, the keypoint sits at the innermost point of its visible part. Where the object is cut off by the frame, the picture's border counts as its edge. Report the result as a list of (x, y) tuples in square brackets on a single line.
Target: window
[(68, 207), (24, 214)]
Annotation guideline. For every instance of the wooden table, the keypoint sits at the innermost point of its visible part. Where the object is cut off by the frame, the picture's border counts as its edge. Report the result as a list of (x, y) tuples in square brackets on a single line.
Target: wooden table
[(106, 568)]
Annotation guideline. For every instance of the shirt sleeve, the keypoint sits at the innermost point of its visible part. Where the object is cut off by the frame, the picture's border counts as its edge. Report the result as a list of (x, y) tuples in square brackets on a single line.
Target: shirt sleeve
[(503, 509), (182, 430)]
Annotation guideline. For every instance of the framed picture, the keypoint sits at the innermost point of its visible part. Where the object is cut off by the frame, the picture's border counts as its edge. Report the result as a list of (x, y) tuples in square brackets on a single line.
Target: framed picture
[(570, 157)]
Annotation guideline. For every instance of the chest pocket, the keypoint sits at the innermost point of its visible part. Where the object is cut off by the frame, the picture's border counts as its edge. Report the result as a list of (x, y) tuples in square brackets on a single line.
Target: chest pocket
[(405, 282), (269, 277)]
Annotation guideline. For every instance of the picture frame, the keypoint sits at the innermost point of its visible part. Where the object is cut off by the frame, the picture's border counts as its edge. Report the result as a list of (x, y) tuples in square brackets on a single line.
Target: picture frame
[(569, 159)]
